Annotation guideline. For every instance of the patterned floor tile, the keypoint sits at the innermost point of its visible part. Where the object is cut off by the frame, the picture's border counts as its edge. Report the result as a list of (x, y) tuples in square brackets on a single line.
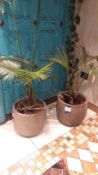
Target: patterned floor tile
[(78, 148), (85, 155), (75, 173), (74, 164), (97, 166), (93, 146), (58, 169), (88, 167), (16, 169), (95, 157), (75, 154)]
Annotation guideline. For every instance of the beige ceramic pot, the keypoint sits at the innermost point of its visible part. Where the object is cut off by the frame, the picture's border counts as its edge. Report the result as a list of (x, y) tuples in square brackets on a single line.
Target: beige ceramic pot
[(71, 115), (29, 125)]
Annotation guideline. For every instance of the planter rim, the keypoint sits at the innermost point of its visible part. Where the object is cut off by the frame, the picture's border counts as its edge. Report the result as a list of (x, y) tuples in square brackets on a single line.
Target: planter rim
[(75, 105), (31, 114)]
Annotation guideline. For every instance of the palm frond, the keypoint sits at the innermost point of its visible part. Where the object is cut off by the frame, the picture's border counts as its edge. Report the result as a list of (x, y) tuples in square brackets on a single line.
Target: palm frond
[(61, 58), (7, 68), (94, 70), (43, 73), (22, 62), (9, 62), (10, 70)]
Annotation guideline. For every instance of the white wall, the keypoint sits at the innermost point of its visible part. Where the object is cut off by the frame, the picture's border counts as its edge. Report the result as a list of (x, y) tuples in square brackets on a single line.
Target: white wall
[(88, 32)]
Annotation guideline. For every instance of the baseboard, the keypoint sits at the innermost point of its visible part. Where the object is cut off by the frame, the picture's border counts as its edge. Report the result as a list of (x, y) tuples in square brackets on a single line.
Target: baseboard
[(50, 100)]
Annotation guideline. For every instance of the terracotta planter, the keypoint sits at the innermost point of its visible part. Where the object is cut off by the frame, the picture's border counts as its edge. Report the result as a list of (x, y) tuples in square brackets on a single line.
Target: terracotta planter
[(71, 115), (29, 125)]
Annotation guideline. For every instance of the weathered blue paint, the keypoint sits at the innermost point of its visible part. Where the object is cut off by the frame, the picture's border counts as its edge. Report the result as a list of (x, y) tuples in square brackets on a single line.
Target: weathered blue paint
[(52, 31)]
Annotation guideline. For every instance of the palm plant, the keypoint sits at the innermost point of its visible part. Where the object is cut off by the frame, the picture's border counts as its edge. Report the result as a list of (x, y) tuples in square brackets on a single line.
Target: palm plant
[(21, 70), (76, 74)]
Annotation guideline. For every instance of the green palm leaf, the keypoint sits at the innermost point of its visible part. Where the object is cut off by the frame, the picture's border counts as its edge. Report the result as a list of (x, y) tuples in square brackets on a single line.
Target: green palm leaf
[(10, 70), (7, 68), (61, 58), (22, 62), (43, 73)]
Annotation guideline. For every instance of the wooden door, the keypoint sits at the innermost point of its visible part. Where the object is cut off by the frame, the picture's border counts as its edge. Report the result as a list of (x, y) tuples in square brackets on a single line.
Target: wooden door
[(40, 23)]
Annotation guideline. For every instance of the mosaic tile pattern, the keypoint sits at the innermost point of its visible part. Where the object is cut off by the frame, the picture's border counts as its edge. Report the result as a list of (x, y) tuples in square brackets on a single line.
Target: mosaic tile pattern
[(58, 169), (78, 148)]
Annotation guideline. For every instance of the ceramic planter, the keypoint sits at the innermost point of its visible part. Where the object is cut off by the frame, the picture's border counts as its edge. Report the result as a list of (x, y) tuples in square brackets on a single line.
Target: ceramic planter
[(71, 115), (29, 125)]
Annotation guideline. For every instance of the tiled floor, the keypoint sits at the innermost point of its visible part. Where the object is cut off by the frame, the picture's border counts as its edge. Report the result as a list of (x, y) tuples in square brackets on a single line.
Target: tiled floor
[(32, 156)]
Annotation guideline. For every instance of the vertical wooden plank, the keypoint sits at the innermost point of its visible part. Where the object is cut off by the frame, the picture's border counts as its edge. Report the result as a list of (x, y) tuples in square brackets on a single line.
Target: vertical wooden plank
[(24, 25), (3, 37), (8, 95)]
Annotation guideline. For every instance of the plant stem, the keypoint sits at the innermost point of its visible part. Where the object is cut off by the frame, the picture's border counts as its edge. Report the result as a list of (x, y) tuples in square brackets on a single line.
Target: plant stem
[(31, 95)]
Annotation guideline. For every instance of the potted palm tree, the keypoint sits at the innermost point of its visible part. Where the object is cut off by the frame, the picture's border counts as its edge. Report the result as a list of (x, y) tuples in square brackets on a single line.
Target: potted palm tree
[(72, 105), (29, 113)]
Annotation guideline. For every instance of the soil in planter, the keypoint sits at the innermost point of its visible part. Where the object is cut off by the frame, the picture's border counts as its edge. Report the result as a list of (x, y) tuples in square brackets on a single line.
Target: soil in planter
[(25, 107), (73, 99)]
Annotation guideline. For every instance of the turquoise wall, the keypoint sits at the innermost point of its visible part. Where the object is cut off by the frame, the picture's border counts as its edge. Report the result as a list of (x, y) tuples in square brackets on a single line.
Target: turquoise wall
[(40, 23)]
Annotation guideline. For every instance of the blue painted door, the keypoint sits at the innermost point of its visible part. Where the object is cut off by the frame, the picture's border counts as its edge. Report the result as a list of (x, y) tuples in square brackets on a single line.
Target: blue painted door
[(40, 24)]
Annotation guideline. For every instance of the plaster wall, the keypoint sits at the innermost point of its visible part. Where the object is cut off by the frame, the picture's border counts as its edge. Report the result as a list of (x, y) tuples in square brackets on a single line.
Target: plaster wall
[(88, 32)]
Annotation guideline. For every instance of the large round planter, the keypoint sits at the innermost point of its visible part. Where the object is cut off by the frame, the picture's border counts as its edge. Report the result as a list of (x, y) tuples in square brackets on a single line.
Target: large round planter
[(71, 115), (29, 125)]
